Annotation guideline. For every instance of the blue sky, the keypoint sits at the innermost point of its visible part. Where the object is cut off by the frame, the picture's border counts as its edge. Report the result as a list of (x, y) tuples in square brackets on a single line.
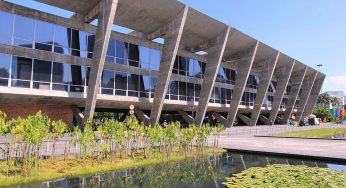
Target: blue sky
[(311, 31)]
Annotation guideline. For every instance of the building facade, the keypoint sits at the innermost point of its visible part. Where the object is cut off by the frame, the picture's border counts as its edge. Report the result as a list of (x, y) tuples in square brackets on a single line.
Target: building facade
[(203, 68)]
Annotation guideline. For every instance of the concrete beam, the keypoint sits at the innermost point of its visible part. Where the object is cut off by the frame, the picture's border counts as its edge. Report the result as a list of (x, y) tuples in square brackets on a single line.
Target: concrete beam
[(306, 90), (296, 81), (243, 73), (92, 13), (266, 75), (215, 54), (284, 77), (142, 116), (104, 29), (169, 53), (78, 115), (78, 24), (313, 96), (245, 119), (220, 118), (264, 119), (189, 119)]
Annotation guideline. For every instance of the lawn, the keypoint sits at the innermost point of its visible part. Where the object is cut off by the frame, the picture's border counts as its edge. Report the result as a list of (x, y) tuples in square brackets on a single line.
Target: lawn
[(315, 133), (281, 175), (75, 166)]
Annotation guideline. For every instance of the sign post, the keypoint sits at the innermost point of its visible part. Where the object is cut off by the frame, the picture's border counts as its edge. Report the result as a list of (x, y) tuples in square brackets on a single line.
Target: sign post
[(192, 108), (131, 107)]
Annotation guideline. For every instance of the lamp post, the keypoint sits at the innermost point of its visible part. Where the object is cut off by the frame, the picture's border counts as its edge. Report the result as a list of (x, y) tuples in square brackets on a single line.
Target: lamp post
[(319, 70)]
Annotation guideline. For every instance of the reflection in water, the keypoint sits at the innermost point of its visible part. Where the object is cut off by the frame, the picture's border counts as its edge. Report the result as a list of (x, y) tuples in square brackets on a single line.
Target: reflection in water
[(339, 136), (195, 172)]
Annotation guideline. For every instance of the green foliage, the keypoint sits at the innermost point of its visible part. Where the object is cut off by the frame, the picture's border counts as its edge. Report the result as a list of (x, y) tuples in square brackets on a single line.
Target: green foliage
[(323, 113), (280, 175), (325, 99), (315, 133)]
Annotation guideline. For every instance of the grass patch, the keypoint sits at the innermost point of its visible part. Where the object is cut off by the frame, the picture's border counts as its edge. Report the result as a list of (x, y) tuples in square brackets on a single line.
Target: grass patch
[(75, 166), (280, 175), (315, 133)]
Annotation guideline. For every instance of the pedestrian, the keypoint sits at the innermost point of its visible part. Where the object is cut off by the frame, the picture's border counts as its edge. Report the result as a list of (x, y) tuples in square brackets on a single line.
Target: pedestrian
[(165, 124)]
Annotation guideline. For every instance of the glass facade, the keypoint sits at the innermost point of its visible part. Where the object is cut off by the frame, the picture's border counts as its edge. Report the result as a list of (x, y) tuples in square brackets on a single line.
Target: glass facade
[(46, 75)]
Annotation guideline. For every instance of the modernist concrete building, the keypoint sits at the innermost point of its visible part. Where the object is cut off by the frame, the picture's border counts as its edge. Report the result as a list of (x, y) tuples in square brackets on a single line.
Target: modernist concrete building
[(65, 66)]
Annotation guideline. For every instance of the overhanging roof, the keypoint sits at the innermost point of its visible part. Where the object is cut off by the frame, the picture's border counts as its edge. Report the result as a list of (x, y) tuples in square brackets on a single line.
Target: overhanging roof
[(147, 16)]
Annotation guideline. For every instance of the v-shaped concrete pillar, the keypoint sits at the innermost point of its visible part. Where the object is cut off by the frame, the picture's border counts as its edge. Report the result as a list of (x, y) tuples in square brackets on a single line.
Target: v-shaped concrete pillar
[(266, 75), (284, 77), (169, 53), (306, 90), (296, 81), (316, 88), (215, 54), (104, 28), (244, 69)]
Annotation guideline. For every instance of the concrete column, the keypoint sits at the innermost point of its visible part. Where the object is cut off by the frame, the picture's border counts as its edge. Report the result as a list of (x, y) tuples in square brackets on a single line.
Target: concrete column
[(296, 81), (189, 119), (220, 118), (215, 54), (243, 73), (314, 95), (169, 53), (104, 29), (284, 77), (306, 90), (266, 75)]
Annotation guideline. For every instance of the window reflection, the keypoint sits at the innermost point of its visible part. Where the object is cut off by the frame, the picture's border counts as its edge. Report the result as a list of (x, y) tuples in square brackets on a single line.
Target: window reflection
[(21, 72), (6, 21), (5, 63)]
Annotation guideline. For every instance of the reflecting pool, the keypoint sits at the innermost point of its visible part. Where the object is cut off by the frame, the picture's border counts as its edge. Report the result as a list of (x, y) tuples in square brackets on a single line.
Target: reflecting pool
[(207, 171)]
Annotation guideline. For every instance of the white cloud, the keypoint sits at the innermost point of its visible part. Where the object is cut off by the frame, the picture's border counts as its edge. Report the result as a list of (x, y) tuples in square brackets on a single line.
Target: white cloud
[(335, 83)]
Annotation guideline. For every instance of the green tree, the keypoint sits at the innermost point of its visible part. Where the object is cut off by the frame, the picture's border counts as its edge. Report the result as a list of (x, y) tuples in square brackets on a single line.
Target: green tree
[(323, 113), (58, 129)]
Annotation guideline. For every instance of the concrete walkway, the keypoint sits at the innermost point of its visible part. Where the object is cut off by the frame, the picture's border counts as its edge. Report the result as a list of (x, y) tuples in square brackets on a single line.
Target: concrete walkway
[(270, 130), (320, 149)]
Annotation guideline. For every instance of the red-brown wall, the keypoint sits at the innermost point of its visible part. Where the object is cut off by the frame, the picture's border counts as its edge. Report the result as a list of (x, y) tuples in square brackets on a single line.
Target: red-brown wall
[(54, 112)]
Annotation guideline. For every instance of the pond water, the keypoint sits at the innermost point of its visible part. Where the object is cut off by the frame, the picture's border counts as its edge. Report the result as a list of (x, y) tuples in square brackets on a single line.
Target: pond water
[(341, 136), (208, 171)]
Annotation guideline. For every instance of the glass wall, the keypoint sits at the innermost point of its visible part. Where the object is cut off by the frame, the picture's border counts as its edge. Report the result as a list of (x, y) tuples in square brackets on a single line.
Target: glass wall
[(272, 86), (38, 74), (283, 103), (221, 95), (248, 99), (188, 67), (226, 76), (124, 84), (253, 82)]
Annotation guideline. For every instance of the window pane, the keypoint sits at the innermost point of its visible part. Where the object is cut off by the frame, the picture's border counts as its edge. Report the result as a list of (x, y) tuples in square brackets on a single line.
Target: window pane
[(5, 63), (189, 67), (121, 50), (155, 57), (6, 21), (62, 36), (83, 44), (61, 73), (111, 48), (173, 87), (107, 79), (24, 28), (91, 42), (120, 80), (153, 84), (144, 54), (44, 32), (42, 70), (21, 68), (133, 82), (133, 52), (76, 75)]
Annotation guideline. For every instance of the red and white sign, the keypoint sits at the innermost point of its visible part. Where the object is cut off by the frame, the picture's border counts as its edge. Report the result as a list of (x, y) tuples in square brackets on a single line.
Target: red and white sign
[(132, 107), (191, 105), (131, 112)]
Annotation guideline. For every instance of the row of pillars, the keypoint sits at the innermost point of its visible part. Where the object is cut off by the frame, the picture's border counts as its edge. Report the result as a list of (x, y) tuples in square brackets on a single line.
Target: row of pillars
[(172, 33)]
